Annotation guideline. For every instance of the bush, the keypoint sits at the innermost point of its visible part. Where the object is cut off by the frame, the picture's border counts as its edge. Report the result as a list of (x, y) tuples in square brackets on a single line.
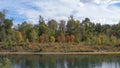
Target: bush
[(113, 39), (52, 39)]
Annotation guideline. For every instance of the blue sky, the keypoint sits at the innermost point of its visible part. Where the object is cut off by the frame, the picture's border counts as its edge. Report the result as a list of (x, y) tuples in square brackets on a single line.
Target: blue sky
[(99, 11)]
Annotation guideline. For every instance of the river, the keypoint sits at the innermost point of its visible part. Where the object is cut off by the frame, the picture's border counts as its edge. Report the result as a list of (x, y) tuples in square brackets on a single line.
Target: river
[(63, 61)]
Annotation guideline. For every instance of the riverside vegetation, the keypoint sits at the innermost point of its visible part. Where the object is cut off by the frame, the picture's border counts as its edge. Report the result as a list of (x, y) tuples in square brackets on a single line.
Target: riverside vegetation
[(58, 36)]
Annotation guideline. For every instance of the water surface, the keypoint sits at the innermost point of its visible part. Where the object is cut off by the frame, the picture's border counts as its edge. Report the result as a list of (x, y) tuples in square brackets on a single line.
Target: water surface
[(63, 61)]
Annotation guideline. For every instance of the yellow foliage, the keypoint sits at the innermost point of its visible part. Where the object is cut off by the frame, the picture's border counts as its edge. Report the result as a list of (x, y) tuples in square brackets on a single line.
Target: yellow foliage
[(52, 39), (19, 37), (100, 39)]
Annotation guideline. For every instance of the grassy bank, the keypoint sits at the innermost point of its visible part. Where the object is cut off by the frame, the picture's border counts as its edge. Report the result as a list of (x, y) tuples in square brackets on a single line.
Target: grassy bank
[(59, 47), (71, 53)]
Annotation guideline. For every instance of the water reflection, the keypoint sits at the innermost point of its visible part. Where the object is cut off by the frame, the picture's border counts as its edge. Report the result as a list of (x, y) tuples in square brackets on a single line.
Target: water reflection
[(63, 61)]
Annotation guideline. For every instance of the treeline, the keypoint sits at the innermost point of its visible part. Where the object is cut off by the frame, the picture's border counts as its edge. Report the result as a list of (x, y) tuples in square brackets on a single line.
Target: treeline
[(70, 31)]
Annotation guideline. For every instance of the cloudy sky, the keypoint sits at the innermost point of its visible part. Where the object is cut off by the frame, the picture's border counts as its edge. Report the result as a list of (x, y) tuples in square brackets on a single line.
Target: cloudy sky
[(99, 11)]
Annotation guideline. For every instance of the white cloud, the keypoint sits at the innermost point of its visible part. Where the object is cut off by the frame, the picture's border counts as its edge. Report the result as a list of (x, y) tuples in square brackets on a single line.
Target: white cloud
[(97, 10), (96, 1), (81, 4)]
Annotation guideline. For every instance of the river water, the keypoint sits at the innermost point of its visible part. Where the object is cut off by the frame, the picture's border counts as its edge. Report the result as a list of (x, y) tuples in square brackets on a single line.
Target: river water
[(63, 61)]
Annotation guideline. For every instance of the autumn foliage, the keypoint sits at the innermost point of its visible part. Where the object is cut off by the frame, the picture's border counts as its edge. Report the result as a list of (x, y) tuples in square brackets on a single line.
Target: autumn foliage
[(43, 38), (61, 39), (52, 39), (50, 31), (100, 39), (69, 38), (19, 37), (72, 38)]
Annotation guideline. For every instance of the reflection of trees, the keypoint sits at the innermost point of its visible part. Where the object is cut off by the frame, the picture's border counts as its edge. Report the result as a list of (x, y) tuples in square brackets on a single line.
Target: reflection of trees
[(60, 61), (5, 63)]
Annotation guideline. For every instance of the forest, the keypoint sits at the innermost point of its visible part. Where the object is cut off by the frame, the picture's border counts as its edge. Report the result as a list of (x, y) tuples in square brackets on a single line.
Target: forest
[(54, 35)]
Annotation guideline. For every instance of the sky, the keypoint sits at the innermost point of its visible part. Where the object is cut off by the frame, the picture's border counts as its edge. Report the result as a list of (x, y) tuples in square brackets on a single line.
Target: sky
[(99, 11)]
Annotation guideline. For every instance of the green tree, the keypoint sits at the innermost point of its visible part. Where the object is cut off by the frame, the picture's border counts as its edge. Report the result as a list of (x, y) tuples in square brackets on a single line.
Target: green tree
[(8, 29), (2, 29), (23, 29), (5, 28), (77, 31), (70, 25), (62, 26), (33, 35), (98, 29), (106, 29), (52, 25), (113, 39), (87, 29), (43, 29), (29, 32)]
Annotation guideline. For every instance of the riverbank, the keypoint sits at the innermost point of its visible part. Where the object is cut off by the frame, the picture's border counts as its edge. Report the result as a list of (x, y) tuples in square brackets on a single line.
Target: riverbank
[(59, 48), (71, 53)]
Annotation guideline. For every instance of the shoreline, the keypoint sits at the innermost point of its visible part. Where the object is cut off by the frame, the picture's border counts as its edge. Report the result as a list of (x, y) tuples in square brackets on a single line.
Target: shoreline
[(64, 53)]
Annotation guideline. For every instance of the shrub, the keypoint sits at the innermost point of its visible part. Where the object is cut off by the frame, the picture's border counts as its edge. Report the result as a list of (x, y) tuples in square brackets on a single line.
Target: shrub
[(72, 38), (61, 39), (100, 39), (52, 39), (113, 39), (43, 38), (19, 37)]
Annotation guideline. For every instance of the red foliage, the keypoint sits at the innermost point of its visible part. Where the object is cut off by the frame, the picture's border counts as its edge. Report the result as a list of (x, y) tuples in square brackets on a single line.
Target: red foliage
[(61, 38), (43, 38), (70, 38)]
